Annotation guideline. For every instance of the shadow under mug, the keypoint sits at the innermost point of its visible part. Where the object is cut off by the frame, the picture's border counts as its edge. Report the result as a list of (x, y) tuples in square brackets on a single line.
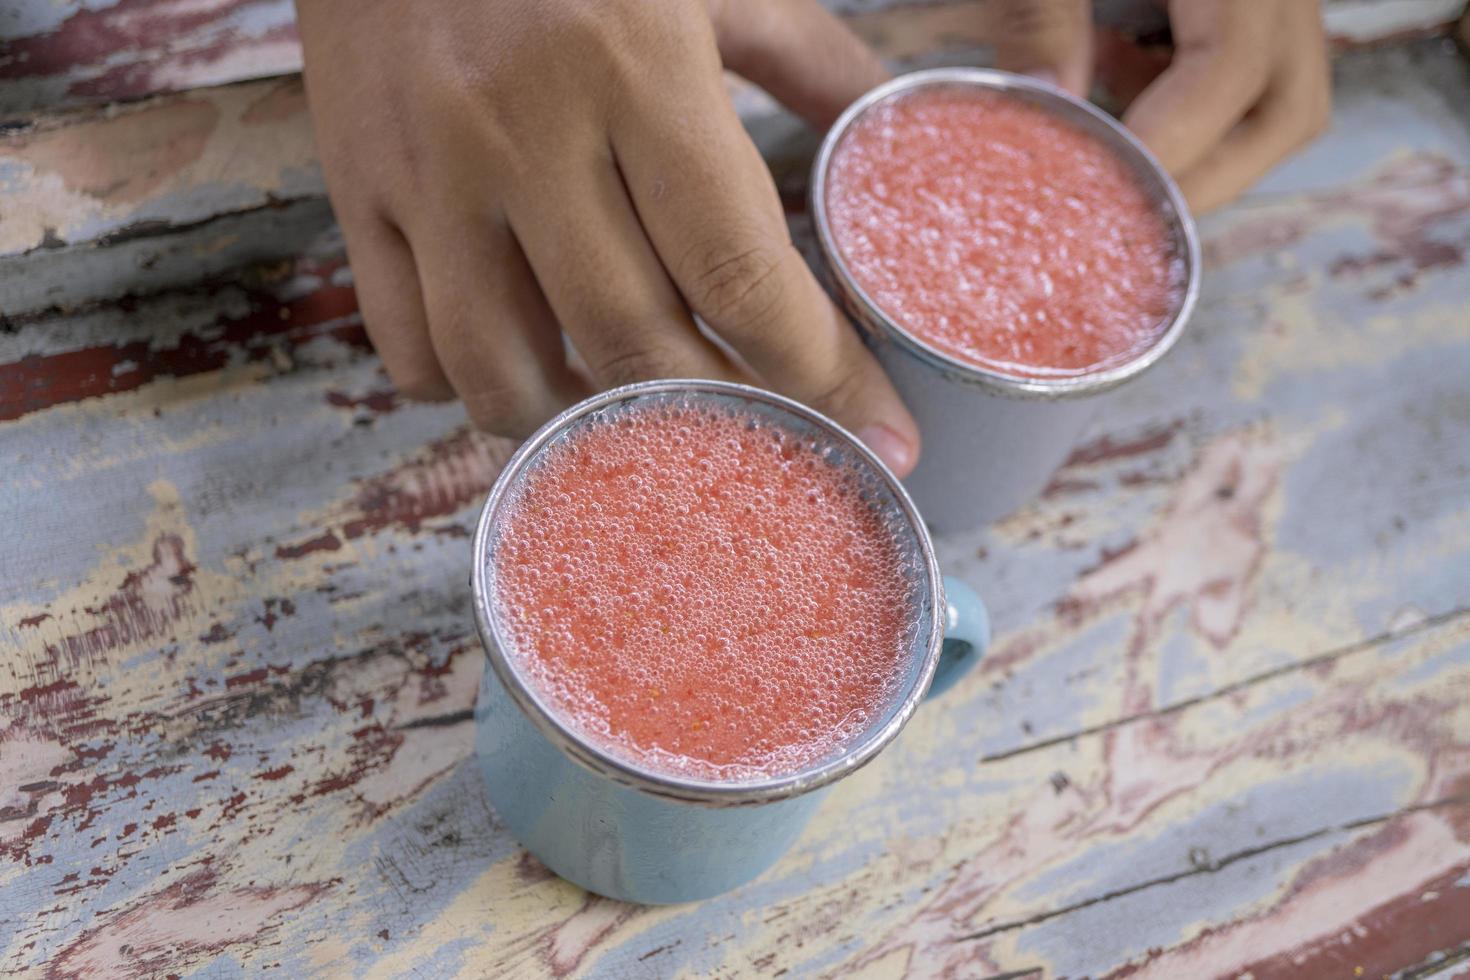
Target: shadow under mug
[(639, 835), (991, 440)]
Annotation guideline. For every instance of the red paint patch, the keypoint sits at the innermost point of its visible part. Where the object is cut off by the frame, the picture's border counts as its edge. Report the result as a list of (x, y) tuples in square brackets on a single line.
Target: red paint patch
[(379, 402), (448, 475), (1403, 931), (530, 871), (372, 748), (444, 478), (147, 605), (35, 383), (1060, 486), (19, 848), (176, 926), (568, 943), (120, 158), (249, 677), (91, 37), (217, 634), (1203, 553), (1107, 447), (275, 609), (1401, 203), (36, 620), (326, 542)]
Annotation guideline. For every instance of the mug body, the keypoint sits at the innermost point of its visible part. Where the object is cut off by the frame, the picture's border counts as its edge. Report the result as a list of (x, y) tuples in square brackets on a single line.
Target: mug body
[(628, 832), (986, 453), (992, 440), (613, 839)]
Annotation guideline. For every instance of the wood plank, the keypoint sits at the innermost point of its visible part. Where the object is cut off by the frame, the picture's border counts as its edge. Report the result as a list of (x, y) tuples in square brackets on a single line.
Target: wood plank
[(67, 52), (79, 51), (104, 201), (125, 201)]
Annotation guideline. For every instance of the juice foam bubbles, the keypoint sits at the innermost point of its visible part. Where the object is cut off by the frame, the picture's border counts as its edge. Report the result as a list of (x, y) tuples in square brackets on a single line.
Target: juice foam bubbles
[(1000, 234), (705, 591)]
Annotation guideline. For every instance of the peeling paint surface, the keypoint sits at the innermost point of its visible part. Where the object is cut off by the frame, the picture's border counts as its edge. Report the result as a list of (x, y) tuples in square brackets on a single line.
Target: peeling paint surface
[(66, 52), (110, 173), (1224, 729)]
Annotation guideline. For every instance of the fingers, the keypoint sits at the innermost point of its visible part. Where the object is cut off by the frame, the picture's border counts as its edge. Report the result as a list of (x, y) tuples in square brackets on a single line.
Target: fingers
[(798, 52), (605, 284), (710, 209), (1051, 39), (1295, 108), (491, 329), (387, 287), (1223, 52), (1124, 66)]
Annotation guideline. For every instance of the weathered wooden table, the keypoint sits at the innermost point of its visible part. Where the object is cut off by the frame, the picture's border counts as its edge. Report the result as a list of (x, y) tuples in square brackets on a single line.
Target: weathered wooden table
[(1225, 728)]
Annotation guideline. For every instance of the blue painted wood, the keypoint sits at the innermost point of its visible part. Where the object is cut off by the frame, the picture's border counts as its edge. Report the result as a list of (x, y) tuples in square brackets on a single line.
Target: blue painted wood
[(1223, 729)]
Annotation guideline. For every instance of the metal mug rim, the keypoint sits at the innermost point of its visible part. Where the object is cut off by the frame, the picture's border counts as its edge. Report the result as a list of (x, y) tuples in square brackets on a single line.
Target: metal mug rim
[(872, 316), (625, 772)]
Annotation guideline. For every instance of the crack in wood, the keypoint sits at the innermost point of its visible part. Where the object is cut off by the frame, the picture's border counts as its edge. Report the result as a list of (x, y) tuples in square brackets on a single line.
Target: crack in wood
[(1445, 960), (438, 721), (245, 270), (1217, 864), (156, 228), (1428, 624)]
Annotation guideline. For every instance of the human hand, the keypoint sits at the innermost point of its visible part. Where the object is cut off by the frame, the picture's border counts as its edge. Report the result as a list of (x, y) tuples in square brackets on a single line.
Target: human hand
[(1247, 83), (507, 170)]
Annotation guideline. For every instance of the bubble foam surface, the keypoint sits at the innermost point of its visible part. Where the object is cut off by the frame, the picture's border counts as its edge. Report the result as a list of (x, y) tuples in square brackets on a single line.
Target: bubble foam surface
[(705, 591), (1001, 234)]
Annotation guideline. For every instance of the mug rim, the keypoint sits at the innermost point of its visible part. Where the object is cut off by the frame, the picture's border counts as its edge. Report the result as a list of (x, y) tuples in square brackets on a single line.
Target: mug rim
[(1170, 204), (625, 771)]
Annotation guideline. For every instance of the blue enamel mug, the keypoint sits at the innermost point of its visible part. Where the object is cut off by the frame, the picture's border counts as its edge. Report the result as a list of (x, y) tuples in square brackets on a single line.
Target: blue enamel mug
[(631, 833)]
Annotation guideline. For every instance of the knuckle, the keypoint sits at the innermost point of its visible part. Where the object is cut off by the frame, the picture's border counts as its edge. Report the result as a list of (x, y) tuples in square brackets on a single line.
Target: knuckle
[(421, 385), (741, 291), (641, 363), (1033, 18), (501, 410), (844, 387)]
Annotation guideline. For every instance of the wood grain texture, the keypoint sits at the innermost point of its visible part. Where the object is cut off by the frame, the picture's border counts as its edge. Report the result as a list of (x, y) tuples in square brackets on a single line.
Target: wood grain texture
[(101, 201), (1225, 727), (105, 200), (67, 52), (61, 53)]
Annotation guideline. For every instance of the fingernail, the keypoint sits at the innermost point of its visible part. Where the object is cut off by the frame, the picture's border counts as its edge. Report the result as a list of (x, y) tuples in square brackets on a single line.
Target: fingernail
[(896, 451)]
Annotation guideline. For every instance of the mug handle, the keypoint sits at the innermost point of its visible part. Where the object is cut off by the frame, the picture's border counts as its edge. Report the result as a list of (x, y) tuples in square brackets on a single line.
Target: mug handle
[(966, 635)]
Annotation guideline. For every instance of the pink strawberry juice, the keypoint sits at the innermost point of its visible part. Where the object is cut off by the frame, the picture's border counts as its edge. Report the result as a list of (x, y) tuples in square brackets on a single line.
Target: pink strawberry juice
[(704, 591), (1000, 234)]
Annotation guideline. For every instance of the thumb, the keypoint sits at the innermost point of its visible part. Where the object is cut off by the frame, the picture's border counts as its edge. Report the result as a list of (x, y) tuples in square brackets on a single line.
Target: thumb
[(802, 55), (1049, 39)]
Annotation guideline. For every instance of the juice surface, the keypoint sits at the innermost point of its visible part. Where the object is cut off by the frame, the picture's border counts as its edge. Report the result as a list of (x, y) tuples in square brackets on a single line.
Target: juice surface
[(704, 591), (1001, 234)]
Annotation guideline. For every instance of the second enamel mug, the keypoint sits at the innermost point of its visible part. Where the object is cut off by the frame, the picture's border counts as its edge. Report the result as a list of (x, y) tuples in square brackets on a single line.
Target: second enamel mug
[(991, 439)]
